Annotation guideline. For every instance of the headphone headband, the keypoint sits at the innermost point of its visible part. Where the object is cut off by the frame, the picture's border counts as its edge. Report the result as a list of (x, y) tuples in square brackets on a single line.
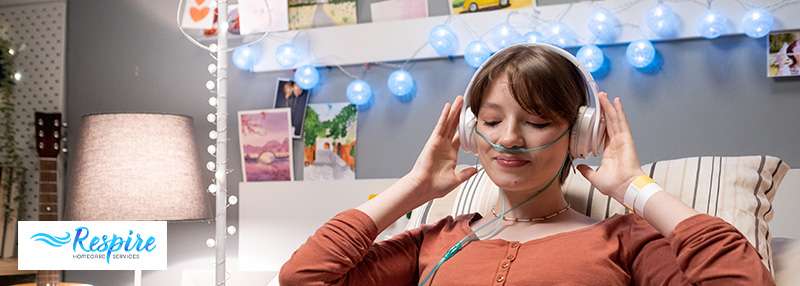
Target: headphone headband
[(588, 131)]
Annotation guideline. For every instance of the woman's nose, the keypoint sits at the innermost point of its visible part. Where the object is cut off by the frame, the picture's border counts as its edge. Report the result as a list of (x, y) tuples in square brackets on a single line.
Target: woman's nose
[(511, 136)]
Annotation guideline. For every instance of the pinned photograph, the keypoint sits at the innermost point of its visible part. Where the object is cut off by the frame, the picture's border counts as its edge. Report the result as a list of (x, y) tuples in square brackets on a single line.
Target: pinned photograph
[(329, 141), (391, 10), (258, 16), (265, 141), (198, 15), (289, 95), (472, 6)]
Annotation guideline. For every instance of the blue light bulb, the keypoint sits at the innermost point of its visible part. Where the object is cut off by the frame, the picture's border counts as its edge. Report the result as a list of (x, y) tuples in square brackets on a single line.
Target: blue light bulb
[(640, 53), (307, 77), (558, 34), (663, 21), (712, 25), (246, 57), (400, 83), (287, 55), (604, 25), (476, 53), (502, 36), (757, 23), (359, 92), (591, 57), (443, 40)]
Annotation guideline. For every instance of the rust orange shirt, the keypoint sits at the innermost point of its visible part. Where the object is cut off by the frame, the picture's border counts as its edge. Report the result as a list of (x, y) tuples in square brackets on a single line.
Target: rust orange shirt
[(621, 250)]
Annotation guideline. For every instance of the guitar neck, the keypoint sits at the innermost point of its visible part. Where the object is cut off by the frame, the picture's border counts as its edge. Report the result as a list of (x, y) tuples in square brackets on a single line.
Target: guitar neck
[(48, 189), (48, 210)]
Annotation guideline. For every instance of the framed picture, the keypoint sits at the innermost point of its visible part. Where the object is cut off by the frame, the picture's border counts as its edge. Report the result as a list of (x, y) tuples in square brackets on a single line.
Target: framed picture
[(265, 142), (783, 58), (289, 95), (329, 142)]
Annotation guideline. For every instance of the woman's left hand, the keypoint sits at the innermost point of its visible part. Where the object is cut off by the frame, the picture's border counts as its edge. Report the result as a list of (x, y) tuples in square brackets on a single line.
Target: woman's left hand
[(619, 164)]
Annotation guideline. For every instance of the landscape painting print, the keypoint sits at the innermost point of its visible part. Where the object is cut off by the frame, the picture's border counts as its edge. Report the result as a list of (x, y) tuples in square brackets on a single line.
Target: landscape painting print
[(265, 141), (329, 141), (304, 14), (783, 59)]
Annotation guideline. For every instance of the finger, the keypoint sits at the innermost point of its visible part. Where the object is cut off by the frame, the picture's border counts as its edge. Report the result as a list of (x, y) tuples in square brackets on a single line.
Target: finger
[(610, 114), (455, 112), (623, 119), (606, 141), (465, 174), (587, 173), (442, 120), (456, 141)]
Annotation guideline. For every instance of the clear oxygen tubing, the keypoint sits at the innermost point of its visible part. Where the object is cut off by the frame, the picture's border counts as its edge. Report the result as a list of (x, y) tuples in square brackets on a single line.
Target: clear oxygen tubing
[(473, 235), (518, 150)]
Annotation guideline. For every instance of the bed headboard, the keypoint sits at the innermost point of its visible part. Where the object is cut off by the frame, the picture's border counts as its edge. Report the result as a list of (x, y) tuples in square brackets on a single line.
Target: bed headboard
[(786, 202)]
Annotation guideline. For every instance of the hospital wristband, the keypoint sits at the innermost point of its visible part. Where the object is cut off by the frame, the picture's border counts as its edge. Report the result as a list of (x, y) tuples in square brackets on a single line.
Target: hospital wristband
[(639, 192)]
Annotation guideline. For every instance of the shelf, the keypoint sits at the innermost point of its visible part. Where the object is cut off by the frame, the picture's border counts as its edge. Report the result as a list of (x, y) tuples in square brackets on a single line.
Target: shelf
[(398, 40)]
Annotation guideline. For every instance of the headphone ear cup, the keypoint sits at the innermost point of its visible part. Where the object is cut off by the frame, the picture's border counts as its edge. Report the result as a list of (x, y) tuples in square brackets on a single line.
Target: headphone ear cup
[(466, 130), (580, 140)]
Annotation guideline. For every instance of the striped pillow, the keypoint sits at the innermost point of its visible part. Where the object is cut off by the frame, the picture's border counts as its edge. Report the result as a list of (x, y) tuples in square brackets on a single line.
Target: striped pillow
[(737, 189)]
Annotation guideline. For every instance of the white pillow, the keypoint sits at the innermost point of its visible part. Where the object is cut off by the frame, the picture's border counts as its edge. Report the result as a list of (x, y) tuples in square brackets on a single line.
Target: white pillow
[(737, 189), (787, 261)]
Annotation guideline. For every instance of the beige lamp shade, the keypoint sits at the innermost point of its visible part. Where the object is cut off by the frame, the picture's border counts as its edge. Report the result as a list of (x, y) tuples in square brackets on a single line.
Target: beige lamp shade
[(136, 166)]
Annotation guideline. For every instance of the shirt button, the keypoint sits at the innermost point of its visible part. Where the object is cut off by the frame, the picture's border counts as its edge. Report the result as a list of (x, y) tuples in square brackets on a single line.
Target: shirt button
[(500, 278), (515, 244), (510, 257), (505, 265)]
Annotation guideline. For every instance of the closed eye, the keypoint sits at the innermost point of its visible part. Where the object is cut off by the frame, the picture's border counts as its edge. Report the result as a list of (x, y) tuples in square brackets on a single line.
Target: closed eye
[(539, 125), (535, 125), (491, 123)]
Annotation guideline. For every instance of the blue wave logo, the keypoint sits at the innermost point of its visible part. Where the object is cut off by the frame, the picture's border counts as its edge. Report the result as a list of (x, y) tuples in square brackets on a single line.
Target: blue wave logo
[(52, 240)]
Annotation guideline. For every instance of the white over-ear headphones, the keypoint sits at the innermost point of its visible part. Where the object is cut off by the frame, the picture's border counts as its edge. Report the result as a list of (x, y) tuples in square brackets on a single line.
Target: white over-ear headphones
[(588, 132)]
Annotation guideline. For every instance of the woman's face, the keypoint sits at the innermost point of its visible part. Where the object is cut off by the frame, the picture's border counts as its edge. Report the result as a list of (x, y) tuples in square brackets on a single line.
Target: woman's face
[(504, 122)]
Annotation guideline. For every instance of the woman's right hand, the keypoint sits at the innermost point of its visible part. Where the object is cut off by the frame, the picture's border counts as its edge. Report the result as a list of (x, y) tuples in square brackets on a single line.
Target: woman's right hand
[(433, 176), (435, 170)]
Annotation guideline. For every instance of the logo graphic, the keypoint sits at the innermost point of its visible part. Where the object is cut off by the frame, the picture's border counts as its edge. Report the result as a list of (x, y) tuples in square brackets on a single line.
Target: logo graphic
[(51, 240), (92, 245), (99, 244)]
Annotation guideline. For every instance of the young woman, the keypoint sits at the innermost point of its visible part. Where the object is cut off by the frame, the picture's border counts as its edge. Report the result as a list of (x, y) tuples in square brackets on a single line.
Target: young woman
[(527, 99)]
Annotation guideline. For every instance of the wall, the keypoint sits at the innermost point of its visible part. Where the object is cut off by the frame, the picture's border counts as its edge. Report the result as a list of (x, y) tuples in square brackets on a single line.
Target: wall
[(711, 97)]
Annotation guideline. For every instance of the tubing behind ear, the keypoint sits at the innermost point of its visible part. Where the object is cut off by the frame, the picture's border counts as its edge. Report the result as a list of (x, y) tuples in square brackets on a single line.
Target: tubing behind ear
[(587, 133)]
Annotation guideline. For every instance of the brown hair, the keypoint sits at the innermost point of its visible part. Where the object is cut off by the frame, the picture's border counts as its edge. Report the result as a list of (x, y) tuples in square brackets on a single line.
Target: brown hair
[(541, 81)]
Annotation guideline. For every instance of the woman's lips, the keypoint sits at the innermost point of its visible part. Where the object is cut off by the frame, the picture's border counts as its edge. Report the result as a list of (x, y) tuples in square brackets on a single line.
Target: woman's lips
[(510, 162)]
